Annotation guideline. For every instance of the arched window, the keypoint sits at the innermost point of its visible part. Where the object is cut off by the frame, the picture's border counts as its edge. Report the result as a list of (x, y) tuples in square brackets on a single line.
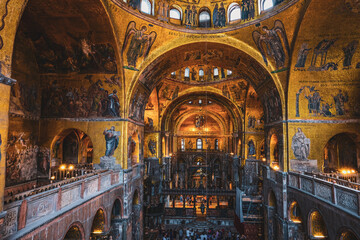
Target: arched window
[(317, 225), (216, 144), (267, 4), (201, 72), (145, 7), (173, 74), (204, 19), (182, 144), (216, 72), (175, 14), (199, 144), (234, 12), (187, 72), (229, 72)]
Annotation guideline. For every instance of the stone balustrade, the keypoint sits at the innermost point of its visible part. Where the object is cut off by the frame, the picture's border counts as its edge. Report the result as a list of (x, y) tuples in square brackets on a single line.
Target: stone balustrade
[(348, 180), (31, 209), (340, 193), (341, 196), (9, 198)]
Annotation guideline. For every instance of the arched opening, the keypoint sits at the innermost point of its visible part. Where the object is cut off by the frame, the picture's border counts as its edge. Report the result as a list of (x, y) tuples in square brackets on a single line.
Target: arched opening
[(193, 115), (272, 212), (53, 51), (347, 235), (234, 13), (98, 225), (317, 226), (71, 146), (267, 4), (199, 144), (294, 213), (340, 154), (204, 18), (175, 14), (135, 216), (145, 7), (74, 232), (116, 221), (296, 225)]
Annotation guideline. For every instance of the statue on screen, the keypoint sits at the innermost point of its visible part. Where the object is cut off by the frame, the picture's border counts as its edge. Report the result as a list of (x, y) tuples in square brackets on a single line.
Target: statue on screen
[(112, 140), (300, 145)]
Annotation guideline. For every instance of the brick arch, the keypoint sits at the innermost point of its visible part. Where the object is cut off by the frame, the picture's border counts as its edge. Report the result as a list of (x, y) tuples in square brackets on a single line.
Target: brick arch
[(106, 214), (136, 190), (290, 203), (271, 191), (121, 206), (309, 222), (80, 227), (347, 230)]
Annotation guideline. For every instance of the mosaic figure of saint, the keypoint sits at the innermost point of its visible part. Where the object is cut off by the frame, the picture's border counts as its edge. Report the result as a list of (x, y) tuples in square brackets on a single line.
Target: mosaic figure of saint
[(140, 43), (340, 99), (270, 43), (222, 15)]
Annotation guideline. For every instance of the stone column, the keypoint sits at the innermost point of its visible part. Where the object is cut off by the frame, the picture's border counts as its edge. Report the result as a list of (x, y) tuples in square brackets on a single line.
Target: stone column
[(5, 87)]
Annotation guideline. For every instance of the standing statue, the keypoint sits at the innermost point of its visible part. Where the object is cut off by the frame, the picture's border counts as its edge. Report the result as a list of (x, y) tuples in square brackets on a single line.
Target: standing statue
[(270, 43), (152, 146), (112, 141), (251, 146), (300, 145), (140, 43)]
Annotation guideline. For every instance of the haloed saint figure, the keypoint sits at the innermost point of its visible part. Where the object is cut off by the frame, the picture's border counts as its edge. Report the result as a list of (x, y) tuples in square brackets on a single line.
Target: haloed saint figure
[(112, 141)]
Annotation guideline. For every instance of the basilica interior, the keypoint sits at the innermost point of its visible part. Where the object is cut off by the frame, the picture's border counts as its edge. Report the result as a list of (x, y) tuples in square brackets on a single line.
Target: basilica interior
[(180, 119)]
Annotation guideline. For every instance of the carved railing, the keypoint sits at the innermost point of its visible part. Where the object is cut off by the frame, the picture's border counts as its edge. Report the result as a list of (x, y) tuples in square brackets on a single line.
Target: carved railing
[(331, 191), (49, 201), (347, 180), (20, 196), (341, 193)]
